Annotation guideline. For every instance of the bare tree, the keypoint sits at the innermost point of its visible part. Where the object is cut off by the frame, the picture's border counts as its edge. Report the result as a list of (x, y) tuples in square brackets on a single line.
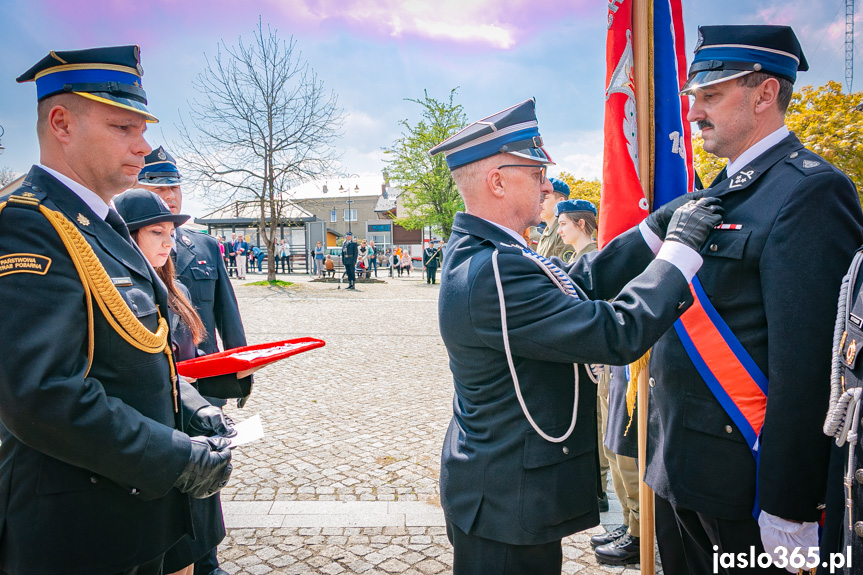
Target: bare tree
[(7, 176), (262, 124)]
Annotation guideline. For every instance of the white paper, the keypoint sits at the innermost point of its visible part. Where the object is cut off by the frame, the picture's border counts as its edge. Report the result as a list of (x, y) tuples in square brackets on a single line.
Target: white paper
[(248, 431)]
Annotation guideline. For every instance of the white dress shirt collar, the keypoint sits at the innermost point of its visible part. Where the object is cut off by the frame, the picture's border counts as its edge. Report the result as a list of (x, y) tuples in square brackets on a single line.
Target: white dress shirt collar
[(89, 197), (756, 150), (515, 235)]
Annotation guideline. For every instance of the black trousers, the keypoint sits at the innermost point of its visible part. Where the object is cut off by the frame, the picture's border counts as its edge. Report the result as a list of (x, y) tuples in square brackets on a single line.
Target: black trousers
[(474, 555), (432, 272), (351, 270), (152, 567), (232, 265), (686, 539)]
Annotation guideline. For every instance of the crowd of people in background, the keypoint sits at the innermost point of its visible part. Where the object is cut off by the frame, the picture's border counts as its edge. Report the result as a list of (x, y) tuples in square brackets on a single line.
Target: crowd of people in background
[(240, 255)]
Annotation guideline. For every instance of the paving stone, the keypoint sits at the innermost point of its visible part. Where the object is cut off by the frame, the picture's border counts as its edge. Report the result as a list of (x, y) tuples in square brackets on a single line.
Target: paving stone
[(352, 459)]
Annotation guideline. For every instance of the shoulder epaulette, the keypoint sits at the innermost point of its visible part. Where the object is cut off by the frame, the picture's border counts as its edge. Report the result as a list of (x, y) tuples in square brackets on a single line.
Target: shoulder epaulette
[(809, 162)]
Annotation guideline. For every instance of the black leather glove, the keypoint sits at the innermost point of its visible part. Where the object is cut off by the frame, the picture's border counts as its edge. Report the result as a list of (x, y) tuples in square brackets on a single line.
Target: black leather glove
[(210, 421), (658, 220), (693, 221), (208, 469)]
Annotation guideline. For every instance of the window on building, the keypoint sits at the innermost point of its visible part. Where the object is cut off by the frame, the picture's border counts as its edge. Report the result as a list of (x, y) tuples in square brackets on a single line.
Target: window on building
[(350, 215), (333, 218)]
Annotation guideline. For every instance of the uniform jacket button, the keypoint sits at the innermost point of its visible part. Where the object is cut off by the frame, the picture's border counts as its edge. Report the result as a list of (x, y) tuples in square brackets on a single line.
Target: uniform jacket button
[(134, 307), (651, 382), (728, 429), (134, 492), (714, 247), (565, 450), (858, 475), (858, 528), (94, 479)]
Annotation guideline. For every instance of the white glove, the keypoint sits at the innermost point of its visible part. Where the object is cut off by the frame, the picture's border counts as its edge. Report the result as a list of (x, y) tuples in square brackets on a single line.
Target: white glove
[(780, 537)]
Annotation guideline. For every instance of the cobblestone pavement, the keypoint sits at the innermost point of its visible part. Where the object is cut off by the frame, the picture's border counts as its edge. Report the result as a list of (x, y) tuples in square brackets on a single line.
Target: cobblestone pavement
[(360, 420)]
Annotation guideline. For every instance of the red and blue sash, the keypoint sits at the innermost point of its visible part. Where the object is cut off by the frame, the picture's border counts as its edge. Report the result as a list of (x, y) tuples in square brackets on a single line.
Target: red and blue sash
[(729, 371)]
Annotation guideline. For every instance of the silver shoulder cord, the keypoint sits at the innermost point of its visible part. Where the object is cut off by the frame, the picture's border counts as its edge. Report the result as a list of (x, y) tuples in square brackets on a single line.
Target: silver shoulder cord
[(512, 372), (843, 414)]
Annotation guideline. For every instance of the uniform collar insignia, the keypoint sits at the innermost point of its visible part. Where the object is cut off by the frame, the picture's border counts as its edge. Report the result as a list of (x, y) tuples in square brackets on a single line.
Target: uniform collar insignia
[(186, 240), (742, 178), (83, 220)]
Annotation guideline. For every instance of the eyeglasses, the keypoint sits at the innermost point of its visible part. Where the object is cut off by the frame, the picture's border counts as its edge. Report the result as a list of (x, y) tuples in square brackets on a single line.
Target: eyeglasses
[(541, 169)]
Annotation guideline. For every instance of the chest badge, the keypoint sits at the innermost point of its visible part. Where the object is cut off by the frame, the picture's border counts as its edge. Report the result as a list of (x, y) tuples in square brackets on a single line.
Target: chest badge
[(83, 220), (852, 351)]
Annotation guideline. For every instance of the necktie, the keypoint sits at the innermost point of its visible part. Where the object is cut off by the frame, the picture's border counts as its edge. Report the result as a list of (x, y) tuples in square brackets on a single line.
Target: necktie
[(114, 220)]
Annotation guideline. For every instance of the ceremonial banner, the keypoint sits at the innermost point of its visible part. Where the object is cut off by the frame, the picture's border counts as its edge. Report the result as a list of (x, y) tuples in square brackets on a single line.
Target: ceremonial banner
[(622, 203), (673, 172)]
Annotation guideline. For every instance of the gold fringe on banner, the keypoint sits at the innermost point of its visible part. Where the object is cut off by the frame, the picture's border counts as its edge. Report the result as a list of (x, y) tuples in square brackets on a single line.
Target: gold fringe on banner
[(632, 385)]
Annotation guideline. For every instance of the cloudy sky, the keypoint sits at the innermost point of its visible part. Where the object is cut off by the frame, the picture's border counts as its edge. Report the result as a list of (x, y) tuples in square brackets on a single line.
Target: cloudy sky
[(376, 53)]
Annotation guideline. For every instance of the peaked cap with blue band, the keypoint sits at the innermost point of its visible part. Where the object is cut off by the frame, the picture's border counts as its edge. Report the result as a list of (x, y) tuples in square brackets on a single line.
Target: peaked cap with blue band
[(513, 131), (560, 187), (160, 169), (567, 206), (110, 75), (727, 52)]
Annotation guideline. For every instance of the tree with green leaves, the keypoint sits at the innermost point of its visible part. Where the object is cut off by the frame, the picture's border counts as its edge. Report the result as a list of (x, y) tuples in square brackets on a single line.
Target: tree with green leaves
[(429, 195), (581, 189)]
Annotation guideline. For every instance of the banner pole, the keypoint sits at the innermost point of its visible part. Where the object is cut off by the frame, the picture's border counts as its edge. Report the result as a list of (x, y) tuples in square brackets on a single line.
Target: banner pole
[(642, 32)]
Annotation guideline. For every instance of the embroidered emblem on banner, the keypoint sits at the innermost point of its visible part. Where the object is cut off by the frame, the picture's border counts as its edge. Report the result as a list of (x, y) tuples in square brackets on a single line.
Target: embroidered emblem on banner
[(24, 263)]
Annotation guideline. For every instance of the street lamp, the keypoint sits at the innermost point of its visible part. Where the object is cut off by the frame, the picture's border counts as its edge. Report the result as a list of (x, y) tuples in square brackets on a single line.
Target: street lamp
[(350, 201)]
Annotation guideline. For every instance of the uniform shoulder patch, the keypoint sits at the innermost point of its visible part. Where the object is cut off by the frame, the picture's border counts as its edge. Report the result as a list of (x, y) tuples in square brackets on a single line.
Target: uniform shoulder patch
[(24, 263), (809, 162)]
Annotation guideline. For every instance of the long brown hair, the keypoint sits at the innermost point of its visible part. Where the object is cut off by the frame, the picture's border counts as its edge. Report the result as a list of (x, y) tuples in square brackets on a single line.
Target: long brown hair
[(177, 302)]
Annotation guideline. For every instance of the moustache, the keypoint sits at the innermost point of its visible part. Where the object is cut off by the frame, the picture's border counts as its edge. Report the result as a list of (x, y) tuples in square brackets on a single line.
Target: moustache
[(704, 124)]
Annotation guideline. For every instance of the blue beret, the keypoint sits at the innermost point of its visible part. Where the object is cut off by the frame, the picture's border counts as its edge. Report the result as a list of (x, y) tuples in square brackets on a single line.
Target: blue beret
[(109, 75), (160, 169), (560, 186), (574, 206), (727, 52), (513, 131)]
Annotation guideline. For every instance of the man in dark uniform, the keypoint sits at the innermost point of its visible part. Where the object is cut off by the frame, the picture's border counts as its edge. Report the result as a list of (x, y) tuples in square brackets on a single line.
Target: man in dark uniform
[(349, 258), (199, 266), (431, 261), (731, 435), (94, 473), (514, 324)]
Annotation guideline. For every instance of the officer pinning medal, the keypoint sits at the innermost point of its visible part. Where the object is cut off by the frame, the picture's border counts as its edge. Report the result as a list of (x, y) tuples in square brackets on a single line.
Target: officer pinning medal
[(524, 411)]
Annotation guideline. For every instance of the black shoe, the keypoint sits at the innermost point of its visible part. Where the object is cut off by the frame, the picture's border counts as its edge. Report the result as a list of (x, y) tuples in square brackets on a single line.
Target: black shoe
[(624, 551), (608, 537), (351, 287), (603, 502)]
